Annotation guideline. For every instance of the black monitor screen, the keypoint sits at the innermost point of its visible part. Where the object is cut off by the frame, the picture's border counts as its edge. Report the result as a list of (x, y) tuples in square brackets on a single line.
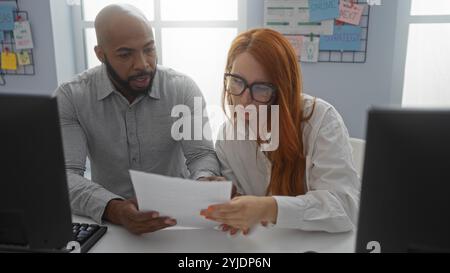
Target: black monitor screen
[(405, 197), (34, 204)]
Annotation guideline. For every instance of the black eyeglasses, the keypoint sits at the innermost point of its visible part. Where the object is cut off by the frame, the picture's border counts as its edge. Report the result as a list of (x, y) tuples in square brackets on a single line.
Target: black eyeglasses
[(262, 92)]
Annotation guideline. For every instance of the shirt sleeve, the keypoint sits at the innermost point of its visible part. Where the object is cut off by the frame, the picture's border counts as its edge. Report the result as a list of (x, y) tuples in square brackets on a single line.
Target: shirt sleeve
[(225, 168), (332, 200), (87, 198), (201, 158)]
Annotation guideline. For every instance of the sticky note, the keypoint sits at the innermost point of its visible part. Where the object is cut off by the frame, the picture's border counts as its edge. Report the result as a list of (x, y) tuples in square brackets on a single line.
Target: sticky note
[(345, 38), (320, 10), (350, 13), (11, 4), (9, 60), (297, 43), (6, 18), (310, 50), (23, 58), (22, 35)]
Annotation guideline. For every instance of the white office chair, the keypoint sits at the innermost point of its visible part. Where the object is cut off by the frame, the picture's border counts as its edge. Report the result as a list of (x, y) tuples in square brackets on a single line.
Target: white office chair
[(358, 146)]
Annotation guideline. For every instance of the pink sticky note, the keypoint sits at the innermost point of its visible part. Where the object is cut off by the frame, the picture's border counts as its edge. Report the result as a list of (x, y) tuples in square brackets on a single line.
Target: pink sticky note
[(350, 13), (296, 42)]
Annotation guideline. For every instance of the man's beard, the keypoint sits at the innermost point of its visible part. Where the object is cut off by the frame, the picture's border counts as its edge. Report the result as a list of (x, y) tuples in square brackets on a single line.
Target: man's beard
[(125, 84)]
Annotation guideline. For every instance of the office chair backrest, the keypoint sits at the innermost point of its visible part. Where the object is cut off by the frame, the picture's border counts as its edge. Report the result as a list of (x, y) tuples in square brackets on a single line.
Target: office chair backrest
[(358, 146)]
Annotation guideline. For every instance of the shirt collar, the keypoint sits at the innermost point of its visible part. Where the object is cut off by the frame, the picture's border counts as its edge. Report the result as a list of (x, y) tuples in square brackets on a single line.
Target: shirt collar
[(154, 91), (106, 87), (104, 84)]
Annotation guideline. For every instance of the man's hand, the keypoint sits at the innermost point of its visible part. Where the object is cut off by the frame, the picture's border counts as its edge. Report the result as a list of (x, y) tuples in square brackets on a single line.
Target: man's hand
[(234, 192), (126, 213), (212, 178)]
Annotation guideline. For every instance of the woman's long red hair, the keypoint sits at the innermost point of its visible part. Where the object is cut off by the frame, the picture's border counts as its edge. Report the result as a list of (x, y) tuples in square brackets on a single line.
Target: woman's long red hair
[(276, 55)]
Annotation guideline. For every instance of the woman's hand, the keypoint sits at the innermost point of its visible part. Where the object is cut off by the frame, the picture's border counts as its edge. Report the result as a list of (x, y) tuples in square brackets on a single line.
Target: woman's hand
[(243, 212)]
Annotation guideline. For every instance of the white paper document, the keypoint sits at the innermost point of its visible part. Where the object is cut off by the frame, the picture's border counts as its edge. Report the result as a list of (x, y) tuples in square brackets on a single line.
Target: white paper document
[(310, 50), (178, 198), (22, 35)]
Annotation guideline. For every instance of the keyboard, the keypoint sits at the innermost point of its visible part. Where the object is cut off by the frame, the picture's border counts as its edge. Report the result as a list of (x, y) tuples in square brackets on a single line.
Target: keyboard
[(87, 234)]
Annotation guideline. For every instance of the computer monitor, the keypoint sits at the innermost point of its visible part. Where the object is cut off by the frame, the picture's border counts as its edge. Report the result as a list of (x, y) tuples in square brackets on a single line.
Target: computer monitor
[(35, 211), (405, 197)]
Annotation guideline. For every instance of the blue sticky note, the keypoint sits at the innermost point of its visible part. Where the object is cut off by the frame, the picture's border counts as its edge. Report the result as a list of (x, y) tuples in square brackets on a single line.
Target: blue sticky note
[(6, 18), (346, 37), (320, 10), (11, 4)]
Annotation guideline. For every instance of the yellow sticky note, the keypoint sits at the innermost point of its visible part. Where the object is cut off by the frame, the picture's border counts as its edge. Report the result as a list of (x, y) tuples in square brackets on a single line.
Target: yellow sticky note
[(9, 61), (23, 58)]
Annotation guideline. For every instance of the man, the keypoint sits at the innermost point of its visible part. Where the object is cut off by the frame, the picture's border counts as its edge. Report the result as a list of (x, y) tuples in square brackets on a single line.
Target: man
[(119, 114)]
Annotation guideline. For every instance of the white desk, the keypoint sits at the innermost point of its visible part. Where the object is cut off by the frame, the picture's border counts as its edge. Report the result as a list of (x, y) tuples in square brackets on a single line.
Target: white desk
[(117, 239)]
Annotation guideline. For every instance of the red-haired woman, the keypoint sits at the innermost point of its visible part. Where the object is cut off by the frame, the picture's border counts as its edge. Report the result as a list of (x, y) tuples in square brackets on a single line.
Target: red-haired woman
[(309, 182)]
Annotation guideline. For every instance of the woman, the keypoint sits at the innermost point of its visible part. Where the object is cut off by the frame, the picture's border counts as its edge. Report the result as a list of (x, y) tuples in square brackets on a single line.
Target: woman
[(309, 182)]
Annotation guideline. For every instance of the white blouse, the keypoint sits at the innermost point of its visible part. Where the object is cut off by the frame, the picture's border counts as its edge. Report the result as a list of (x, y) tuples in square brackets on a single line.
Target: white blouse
[(333, 186)]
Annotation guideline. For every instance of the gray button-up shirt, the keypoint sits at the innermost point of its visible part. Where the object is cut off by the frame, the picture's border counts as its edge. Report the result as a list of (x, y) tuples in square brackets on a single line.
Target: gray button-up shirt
[(97, 121)]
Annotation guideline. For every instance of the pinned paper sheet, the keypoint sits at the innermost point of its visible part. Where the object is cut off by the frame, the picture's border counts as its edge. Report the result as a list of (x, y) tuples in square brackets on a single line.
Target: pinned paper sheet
[(292, 17), (310, 50), (303, 14), (6, 17), (23, 58), (9, 60), (290, 12), (22, 35), (318, 28), (320, 10), (178, 198), (297, 43), (345, 38), (350, 13)]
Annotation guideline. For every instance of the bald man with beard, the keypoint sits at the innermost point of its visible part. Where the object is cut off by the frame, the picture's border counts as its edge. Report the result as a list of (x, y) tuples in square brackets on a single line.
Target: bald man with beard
[(119, 115)]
